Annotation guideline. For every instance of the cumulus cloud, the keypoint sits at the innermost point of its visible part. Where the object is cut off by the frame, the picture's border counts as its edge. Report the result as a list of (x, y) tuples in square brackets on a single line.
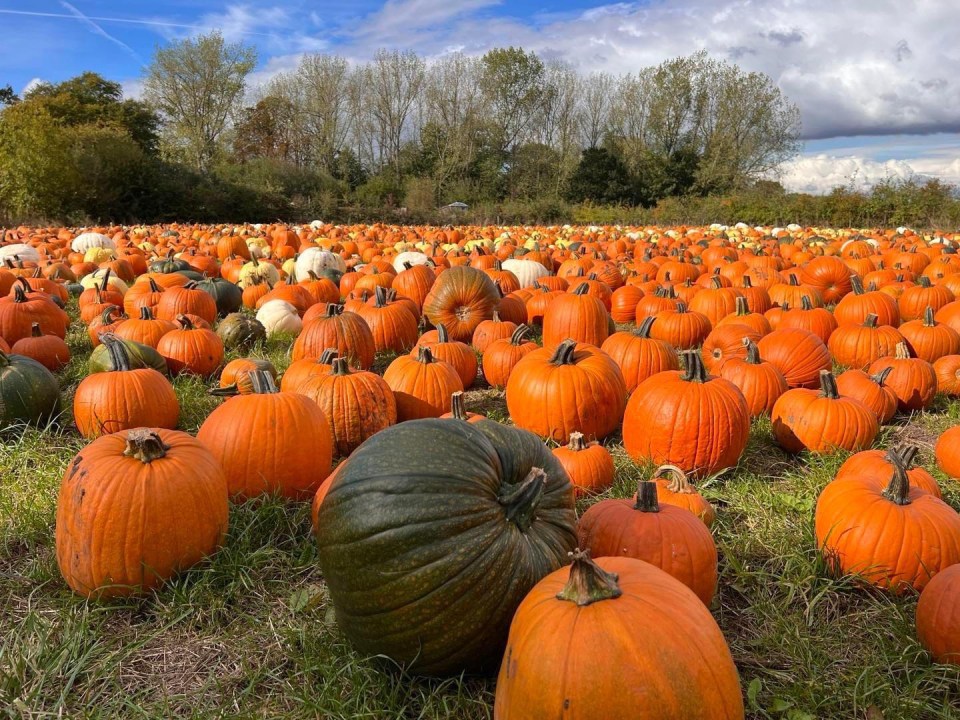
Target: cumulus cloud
[(822, 172)]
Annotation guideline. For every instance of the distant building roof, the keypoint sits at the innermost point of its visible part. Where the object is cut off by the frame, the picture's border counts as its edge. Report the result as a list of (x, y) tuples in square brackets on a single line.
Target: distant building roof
[(457, 206)]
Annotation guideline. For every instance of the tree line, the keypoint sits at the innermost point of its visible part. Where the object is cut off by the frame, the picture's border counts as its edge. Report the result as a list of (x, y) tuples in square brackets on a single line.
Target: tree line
[(508, 132)]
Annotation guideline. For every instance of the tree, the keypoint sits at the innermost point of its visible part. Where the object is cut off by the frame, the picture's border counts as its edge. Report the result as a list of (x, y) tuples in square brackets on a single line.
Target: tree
[(601, 177), (392, 84), (197, 85), (8, 96), (514, 85), (266, 130), (90, 99)]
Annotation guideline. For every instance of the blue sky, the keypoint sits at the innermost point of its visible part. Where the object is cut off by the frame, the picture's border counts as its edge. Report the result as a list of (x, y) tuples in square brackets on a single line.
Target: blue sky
[(878, 91)]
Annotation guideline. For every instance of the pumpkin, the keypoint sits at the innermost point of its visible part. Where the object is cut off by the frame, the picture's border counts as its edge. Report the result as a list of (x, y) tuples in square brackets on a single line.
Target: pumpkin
[(135, 508), (502, 356), (622, 613), (674, 488), (623, 307), (928, 339), (190, 349), (695, 421), (914, 301), (877, 464), (855, 307), (299, 371), (830, 276), (575, 315), (357, 404), (947, 369), (146, 329), (490, 330), (239, 331), (817, 320), (19, 312), (912, 380), (347, 332), (895, 537), (414, 282), (138, 355), (871, 390), (726, 342), (48, 350), (668, 537), (29, 392), (798, 354), (588, 464), (422, 385), (639, 355), (761, 383), (279, 316), (144, 293), (108, 321), (392, 324), (572, 388), (858, 346), (947, 451), (243, 435), (527, 272), (190, 299), (461, 298), (938, 616), (317, 260), (743, 316), (235, 376), (227, 297), (458, 354), (822, 422), (427, 554), (680, 327)]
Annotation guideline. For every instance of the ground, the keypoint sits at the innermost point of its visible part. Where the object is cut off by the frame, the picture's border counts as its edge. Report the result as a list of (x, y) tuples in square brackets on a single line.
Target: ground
[(250, 632)]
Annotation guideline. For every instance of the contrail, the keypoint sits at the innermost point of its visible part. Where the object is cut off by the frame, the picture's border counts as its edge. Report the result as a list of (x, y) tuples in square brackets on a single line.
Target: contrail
[(130, 21), (97, 30)]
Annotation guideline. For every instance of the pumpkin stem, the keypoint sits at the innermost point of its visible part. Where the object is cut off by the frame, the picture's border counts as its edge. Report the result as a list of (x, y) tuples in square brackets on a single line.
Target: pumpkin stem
[(424, 355), (870, 321), (35, 330), (262, 382), (828, 385), (381, 295), (458, 407), (647, 497), (898, 491), (576, 442), (106, 279), (924, 281), (643, 329), (327, 356), (521, 499), (928, 319), (747, 282), (581, 289), (119, 356), (564, 354), (442, 335), (881, 377), (333, 309), (753, 352), (520, 334), (902, 351), (146, 312), (794, 280), (679, 482), (743, 307), (19, 296), (340, 367), (805, 303), (145, 445), (907, 453), (588, 582), (695, 370), (856, 285), (681, 308)]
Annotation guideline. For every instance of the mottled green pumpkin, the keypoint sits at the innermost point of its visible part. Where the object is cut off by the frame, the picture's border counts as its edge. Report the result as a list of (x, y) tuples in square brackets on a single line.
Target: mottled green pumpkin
[(227, 296), (168, 264), (139, 356), (432, 533), (241, 331), (29, 393)]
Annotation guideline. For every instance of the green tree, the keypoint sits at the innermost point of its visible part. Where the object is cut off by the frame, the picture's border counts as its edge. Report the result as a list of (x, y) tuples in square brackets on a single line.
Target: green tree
[(197, 85), (264, 131), (514, 84), (8, 96), (601, 177)]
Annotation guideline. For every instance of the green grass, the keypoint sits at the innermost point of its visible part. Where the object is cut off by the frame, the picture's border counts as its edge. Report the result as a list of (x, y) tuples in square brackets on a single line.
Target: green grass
[(250, 632)]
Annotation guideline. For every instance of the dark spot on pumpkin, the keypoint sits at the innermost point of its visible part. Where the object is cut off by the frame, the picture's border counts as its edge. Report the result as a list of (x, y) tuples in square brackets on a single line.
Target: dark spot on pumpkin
[(566, 703)]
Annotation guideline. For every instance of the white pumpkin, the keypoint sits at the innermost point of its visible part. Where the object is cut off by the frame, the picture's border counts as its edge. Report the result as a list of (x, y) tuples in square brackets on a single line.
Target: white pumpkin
[(84, 241), (409, 258), (317, 260), (25, 252), (96, 278), (527, 271), (279, 316), (254, 272)]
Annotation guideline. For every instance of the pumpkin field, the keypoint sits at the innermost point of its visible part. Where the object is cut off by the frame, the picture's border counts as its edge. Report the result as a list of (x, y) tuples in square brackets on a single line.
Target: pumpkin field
[(523, 473)]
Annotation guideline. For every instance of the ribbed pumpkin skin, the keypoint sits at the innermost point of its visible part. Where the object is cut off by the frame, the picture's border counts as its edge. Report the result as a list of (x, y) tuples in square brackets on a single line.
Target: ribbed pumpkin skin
[(553, 399), (270, 443), (29, 393), (858, 530), (761, 383), (356, 404), (422, 562), (938, 616), (670, 657), (345, 331), (947, 369), (798, 354), (726, 342), (808, 420), (422, 385), (947, 451), (502, 356), (125, 526), (577, 316), (639, 356), (672, 539), (237, 330), (109, 402), (461, 298), (873, 465), (858, 346), (197, 351), (912, 380), (875, 395), (701, 427), (588, 464)]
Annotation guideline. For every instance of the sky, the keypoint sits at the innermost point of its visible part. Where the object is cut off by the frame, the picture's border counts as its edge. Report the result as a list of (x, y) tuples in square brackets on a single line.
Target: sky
[(877, 81)]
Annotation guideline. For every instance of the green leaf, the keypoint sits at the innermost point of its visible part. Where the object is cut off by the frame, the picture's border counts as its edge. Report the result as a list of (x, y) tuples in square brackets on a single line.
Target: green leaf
[(753, 691), (299, 600), (780, 705)]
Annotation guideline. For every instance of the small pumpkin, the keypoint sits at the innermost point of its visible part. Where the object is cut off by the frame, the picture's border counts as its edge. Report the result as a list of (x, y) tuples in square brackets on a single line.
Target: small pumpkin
[(29, 393), (639, 355), (674, 488), (502, 356), (190, 349), (912, 380), (422, 385), (589, 464), (48, 350)]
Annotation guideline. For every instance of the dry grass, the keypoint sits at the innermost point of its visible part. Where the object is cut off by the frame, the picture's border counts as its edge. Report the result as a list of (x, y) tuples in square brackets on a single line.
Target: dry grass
[(250, 632)]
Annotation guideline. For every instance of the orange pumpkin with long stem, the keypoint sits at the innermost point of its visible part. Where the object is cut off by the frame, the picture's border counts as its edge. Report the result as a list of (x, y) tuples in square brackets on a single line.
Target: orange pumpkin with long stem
[(589, 464)]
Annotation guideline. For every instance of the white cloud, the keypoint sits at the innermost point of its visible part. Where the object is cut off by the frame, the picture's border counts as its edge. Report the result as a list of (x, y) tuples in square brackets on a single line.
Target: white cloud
[(34, 82), (821, 173)]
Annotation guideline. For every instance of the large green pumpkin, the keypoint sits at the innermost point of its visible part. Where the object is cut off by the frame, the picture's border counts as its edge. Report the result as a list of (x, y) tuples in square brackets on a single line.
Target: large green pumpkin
[(241, 331), (138, 355), (432, 533), (227, 296), (29, 393)]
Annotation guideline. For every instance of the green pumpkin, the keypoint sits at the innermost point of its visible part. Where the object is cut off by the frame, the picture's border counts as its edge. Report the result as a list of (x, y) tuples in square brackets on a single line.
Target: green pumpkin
[(238, 330), (139, 356), (75, 289), (229, 297), (29, 393), (432, 533), (168, 264), (331, 274)]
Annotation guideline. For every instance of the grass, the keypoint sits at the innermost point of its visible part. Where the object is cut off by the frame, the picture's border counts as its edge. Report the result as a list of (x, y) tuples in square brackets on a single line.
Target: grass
[(250, 632)]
